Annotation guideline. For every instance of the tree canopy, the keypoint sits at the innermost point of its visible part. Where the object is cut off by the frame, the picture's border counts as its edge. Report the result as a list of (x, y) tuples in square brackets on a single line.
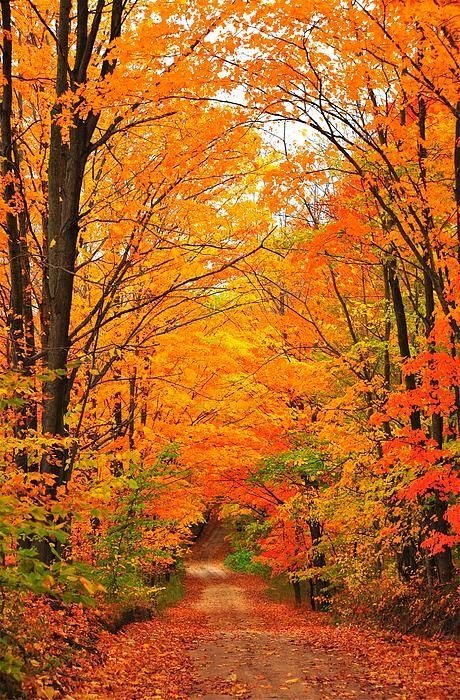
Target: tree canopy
[(229, 273)]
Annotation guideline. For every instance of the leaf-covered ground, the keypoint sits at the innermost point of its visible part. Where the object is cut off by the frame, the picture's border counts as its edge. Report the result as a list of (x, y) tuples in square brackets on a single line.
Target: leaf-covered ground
[(226, 638)]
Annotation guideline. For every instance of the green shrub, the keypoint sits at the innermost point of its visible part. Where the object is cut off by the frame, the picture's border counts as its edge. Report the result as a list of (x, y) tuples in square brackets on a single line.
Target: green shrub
[(243, 562)]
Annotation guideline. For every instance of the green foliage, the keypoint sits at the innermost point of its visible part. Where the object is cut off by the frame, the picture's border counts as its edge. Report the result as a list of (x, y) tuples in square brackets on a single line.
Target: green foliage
[(171, 592), (305, 463), (243, 562), (127, 558), (23, 575), (245, 529), (21, 529)]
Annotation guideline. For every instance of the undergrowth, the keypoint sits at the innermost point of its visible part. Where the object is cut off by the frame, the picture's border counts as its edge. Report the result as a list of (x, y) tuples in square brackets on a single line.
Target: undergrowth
[(242, 561)]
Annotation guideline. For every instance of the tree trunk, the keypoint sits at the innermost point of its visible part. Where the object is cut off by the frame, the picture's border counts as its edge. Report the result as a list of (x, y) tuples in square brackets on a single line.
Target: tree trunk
[(457, 174), (20, 316), (433, 517), (297, 592), (66, 167), (403, 336), (318, 592), (132, 407), (386, 356), (435, 508)]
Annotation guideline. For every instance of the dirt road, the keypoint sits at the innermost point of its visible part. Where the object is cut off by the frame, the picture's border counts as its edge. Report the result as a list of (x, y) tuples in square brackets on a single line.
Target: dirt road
[(227, 639), (249, 652), (257, 648), (247, 655)]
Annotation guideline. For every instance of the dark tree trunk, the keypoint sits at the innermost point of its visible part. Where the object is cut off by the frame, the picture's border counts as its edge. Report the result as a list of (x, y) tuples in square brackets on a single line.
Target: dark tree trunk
[(66, 167), (441, 567), (407, 560), (457, 174), (16, 315), (386, 354), (20, 316), (434, 521), (403, 336), (132, 407), (318, 587), (434, 509), (456, 415), (297, 592)]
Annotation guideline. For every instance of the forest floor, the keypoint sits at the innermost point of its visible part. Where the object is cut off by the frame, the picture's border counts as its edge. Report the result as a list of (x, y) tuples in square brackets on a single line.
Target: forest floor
[(227, 639)]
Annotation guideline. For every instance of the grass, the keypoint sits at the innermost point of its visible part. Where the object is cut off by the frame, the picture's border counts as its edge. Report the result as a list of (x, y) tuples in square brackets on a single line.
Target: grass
[(173, 592)]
